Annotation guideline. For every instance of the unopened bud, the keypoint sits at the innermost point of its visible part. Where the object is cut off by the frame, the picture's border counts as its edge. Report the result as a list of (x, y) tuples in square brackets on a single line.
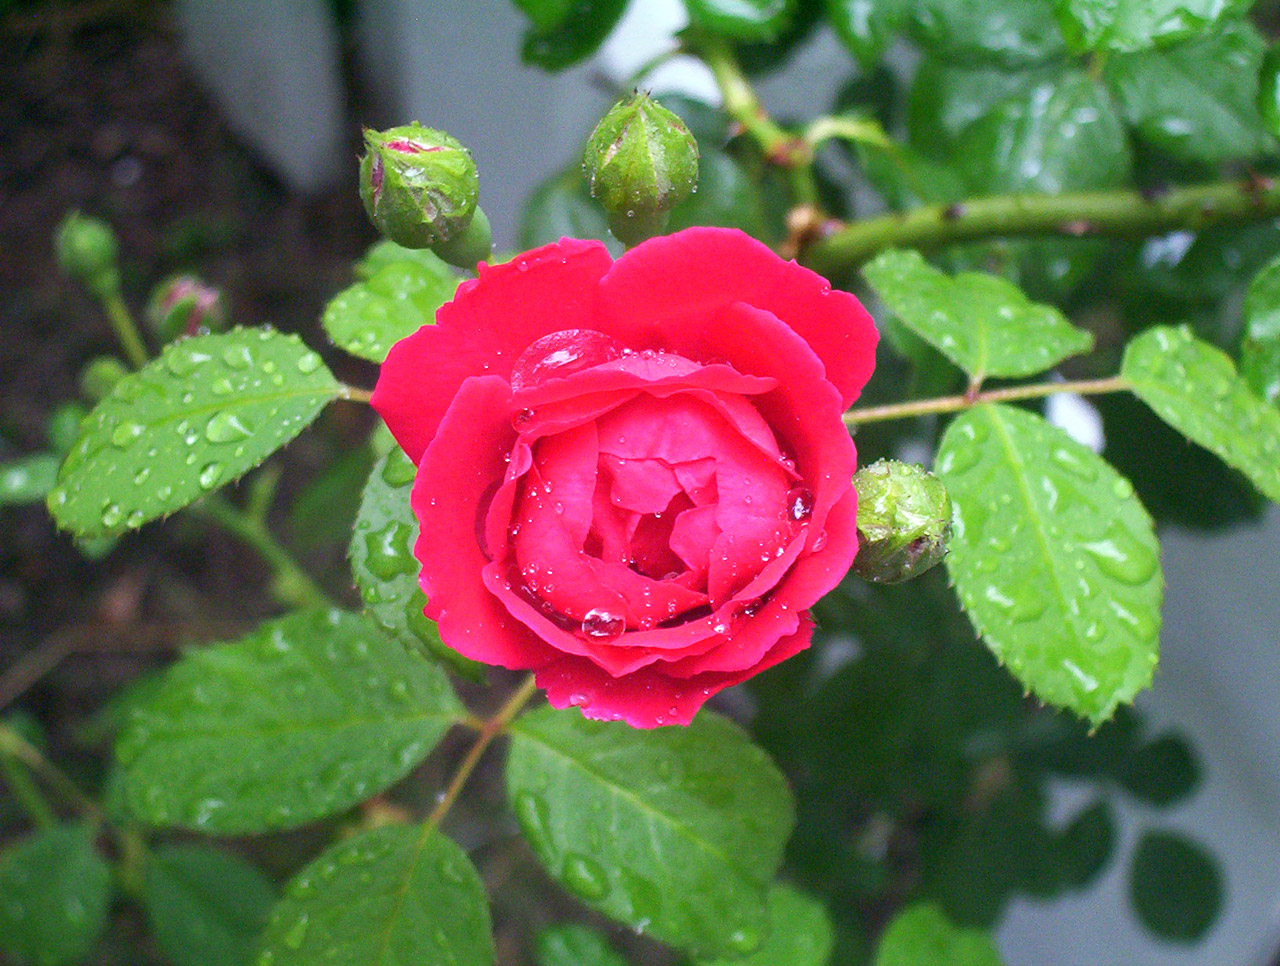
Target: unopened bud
[(86, 249), (185, 305), (641, 161), (63, 428), (419, 186), (904, 521), (99, 377)]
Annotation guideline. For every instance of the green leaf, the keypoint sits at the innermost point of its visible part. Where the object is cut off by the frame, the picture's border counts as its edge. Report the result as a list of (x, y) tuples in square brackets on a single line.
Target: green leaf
[(386, 252), (1260, 350), (27, 479), (574, 945), (545, 14), (727, 197), (800, 933), (1196, 114), (1128, 25), (982, 323), (385, 570), (396, 298), (1175, 886), (1162, 772), (562, 207), (866, 26), (921, 934), (674, 831), (399, 895), (1012, 33), (1053, 558), (54, 891), (206, 906), (305, 717), (576, 36), (1195, 389), (209, 409), (764, 20)]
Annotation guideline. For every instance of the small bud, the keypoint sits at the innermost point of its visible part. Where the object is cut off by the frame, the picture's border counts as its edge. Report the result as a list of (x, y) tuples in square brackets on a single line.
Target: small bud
[(419, 186), (904, 521), (86, 249), (63, 428), (99, 377), (641, 161), (185, 305)]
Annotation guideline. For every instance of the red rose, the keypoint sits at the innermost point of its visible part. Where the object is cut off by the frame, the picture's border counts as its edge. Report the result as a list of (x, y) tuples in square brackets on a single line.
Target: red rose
[(633, 477)]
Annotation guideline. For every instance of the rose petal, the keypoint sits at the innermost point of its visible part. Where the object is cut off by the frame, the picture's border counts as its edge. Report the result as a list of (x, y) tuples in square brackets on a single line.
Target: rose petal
[(677, 282), (483, 331)]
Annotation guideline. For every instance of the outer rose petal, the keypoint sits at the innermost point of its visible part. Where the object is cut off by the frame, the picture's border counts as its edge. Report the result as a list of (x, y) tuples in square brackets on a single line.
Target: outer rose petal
[(449, 494), (647, 698), (694, 273), (490, 321)]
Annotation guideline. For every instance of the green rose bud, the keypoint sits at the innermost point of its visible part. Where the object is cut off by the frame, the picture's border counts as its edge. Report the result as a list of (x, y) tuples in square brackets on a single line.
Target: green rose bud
[(86, 250), (99, 377), (185, 305), (904, 521), (641, 161), (419, 186)]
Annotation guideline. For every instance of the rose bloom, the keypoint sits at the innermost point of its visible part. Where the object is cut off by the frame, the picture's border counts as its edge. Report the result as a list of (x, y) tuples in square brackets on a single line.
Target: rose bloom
[(633, 477)]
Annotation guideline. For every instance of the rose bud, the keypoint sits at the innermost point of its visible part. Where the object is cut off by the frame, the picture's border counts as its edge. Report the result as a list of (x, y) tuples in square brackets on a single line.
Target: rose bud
[(86, 250), (640, 161), (99, 377), (633, 476), (904, 521), (419, 186), (185, 305)]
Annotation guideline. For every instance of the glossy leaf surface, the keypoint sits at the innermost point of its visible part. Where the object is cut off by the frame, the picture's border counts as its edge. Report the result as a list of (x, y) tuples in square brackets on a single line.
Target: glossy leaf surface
[(921, 933), (394, 301), (800, 933), (1127, 25)]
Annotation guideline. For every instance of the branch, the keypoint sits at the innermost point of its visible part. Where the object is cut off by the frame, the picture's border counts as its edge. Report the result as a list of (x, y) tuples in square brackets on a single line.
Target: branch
[(951, 404), (1121, 213)]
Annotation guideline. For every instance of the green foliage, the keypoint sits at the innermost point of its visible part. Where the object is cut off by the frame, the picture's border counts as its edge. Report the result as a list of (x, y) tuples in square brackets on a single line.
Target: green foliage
[(27, 479), (1195, 389), (206, 906), (574, 945), (866, 26), (210, 408), (758, 20), (1129, 25), (1194, 114), (385, 570), (394, 300), (565, 32), (1175, 888), (562, 207), (1053, 558), (1011, 33), (922, 934), (800, 933), (305, 717), (399, 895), (1260, 350), (674, 831), (54, 891), (983, 324)]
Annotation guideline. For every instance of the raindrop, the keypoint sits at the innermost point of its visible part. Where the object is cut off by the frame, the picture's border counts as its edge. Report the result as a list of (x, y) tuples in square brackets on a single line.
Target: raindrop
[(227, 427), (211, 475), (126, 433), (112, 515), (297, 932), (799, 502), (397, 471), (584, 877), (309, 363), (601, 625)]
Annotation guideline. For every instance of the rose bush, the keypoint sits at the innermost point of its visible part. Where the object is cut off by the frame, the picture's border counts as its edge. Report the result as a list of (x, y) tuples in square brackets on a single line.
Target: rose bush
[(633, 477)]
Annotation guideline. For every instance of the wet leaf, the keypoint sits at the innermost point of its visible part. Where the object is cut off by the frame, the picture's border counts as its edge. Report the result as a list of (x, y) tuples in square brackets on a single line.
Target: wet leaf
[(577, 34), (1128, 25), (54, 892), (1011, 33), (385, 569), (1195, 389), (1260, 350), (305, 717), (399, 895), (921, 934), (206, 906), (1175, 886), (396, 299), (575, 945), (209, 409), (800, 933), (673, 831), (866, 26), (1053, 558), (982, 323), (742, 19)]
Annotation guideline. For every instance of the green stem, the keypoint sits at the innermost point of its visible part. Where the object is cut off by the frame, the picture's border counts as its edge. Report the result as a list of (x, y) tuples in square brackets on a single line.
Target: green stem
[(255, 533), (354, 394), (17, 748), (1117, 213), (26, 792), (951, 404), (489, 729), (125, 327), (856, 130)]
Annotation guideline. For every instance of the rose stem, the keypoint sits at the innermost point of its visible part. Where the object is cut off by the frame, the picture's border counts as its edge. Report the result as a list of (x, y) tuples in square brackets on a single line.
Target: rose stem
[(950, 404)]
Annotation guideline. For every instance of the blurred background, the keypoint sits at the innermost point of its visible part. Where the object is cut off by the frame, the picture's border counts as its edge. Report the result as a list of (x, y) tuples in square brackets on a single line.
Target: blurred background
[(223, 136)]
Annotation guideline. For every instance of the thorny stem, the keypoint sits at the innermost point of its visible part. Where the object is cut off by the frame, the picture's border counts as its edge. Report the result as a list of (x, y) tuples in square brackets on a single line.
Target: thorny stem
[(254, 532), (490, 728), (1122, 213), (950, 404), (125, 327)]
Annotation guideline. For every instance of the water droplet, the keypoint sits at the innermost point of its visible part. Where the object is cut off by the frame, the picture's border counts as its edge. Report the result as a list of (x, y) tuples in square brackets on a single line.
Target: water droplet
[(211, 475), (799, 502), (601, 625), (1122, 558), (112, 515), (126, 433), (819, 542), (237, 357), (745, 940), (584, 877), (531, 813), (398, 471), (227, 427), (1075, 464), (387, 551), (297, 932), (308, 363), (1021, 607)]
